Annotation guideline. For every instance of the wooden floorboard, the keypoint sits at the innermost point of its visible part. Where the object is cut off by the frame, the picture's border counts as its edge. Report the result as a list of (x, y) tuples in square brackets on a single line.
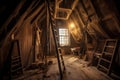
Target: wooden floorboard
[(76, 69)]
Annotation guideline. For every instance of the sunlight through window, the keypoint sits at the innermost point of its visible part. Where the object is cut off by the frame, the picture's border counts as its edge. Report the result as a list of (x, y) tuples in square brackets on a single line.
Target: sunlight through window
[(63, 37)]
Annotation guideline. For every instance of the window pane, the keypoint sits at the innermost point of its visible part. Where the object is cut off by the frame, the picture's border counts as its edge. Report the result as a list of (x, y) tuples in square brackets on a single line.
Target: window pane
[(63, 37)]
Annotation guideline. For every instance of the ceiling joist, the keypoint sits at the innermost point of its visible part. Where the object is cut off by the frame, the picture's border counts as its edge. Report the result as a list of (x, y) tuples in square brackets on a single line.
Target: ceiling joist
[(63, 13)]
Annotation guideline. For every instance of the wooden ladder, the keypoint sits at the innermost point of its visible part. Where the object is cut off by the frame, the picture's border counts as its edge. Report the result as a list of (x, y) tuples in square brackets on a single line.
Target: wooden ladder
[(106, 60), (61, 59), (15, 61), (54, 28)]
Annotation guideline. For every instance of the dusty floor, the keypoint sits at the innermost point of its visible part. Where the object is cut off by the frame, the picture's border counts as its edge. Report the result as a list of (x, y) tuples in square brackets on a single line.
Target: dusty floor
[(76, 69)]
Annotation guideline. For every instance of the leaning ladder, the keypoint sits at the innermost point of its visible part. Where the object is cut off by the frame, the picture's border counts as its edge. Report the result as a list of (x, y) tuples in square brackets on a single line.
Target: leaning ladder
[(15, 61), (60, 59), (108, 54)]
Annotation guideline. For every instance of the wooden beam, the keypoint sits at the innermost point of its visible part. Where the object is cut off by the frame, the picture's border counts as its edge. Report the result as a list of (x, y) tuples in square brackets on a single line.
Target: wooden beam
[(98, 20), (74, 4), (13, 15), (80, 19), (34, 5), (40, 17), (36, 12), (17, 26), (80, 11), (68, 12), (59, 9)]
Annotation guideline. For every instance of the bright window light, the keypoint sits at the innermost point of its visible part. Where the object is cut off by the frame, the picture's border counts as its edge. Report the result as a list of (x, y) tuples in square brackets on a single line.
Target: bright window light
[(64, 37)]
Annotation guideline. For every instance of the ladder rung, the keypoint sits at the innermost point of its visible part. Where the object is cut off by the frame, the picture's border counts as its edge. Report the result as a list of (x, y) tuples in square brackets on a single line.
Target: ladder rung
[(15, 65), (110, 46), (103, 67), (15, 61), (56, 36), (20, 68), (51, 8), (15, 57), (60, 54), (108, 53), (55, 30), (105, 60), (52, 19), (52, 14), (53, 24)]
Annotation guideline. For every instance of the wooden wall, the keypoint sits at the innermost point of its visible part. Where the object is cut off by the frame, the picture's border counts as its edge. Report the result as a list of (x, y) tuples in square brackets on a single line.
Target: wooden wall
[(25, 37)]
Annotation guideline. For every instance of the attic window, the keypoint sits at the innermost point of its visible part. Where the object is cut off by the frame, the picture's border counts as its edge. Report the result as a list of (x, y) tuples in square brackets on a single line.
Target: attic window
[(64, 37)]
